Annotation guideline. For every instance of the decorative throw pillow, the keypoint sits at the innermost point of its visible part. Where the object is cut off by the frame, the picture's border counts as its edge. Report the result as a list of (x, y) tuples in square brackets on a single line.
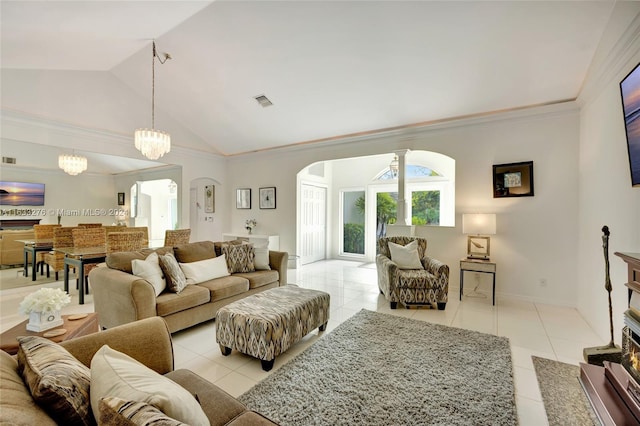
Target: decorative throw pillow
[(239, 257), (118, 375), (58, 382), (261, 259), (176, 281), (118, 412), (205, 270), (406, 257), (149, 269)]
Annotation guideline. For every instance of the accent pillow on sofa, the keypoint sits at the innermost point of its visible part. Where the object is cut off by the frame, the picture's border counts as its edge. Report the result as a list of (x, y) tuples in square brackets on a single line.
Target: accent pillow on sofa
[(406, 257), (118, 375), (58, 382), (149, 269), (205, 270), (239, 257), (118, 412), (176, 281), (261, 259)]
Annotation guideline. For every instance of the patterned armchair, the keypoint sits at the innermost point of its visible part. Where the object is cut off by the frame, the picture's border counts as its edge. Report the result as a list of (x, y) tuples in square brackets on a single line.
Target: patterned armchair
[(412, 286)]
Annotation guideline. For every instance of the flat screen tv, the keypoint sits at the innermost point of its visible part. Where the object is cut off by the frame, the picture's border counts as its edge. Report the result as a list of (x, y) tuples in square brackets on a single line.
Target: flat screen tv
[(630, 90), (21, 194)]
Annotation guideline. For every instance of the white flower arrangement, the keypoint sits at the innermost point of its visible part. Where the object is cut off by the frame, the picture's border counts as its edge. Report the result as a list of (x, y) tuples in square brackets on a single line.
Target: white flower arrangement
[(44, 300), (249, 224)]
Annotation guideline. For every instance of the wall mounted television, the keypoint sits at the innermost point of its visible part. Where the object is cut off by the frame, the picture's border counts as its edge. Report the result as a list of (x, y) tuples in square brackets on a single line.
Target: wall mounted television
[(630, 91), (21, 194)]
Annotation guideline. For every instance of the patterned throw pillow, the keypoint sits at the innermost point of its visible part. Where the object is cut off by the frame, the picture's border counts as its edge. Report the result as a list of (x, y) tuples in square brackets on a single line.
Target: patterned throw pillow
[(58, 382), (118, 412), (176, 281), (239, 257)]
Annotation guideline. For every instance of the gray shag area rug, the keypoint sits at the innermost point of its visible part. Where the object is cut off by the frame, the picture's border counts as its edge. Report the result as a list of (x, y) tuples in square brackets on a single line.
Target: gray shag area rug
[(564, 399), (380, 369)]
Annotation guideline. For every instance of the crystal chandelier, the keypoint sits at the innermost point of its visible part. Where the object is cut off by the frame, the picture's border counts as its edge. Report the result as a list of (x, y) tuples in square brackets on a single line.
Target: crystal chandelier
[(153, 143), (72, 164)]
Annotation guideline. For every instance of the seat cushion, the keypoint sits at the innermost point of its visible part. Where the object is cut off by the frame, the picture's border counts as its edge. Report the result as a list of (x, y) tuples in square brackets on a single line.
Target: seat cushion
[(260, 278), (415, 278), (224, 287), (193, 295)]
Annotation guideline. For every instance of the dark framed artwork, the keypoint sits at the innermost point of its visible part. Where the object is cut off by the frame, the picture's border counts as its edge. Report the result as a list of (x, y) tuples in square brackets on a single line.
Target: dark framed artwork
[(513, 180), (243, 198), (268, 197), (121, 198)]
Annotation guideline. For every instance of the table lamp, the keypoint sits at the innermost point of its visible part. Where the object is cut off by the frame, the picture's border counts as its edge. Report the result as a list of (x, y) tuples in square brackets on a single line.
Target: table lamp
[(477, 225)]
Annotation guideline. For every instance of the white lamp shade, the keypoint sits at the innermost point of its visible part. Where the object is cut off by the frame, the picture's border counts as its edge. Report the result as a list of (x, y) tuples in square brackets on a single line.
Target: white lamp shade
[(479, 223)]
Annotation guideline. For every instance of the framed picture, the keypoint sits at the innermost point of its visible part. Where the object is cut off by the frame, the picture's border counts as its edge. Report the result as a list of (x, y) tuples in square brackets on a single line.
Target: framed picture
[(478, 247), (513, 180), (268, 197), (121, 198), (209, 198), (243, 198)]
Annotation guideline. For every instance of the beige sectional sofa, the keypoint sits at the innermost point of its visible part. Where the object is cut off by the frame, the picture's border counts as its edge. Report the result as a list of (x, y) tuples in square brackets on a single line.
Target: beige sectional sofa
[(121, 297), (11, 251), (148, 342)]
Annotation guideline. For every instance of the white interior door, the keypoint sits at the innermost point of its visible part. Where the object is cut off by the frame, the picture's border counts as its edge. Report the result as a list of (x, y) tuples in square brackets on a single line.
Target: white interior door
[(313, 224)]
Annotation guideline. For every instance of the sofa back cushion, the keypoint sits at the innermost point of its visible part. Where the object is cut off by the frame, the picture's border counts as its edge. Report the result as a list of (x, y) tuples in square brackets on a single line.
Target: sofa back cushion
[(16, 405), (122, 260), (194, 252)]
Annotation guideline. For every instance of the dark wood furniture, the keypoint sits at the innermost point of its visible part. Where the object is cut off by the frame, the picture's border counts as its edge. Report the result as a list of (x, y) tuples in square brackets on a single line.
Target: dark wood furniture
[(18, 223), (75, 328), (611, 388)]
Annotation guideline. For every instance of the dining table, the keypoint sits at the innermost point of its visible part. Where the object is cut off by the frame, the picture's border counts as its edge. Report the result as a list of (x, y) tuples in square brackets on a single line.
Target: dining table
[(78, 258), (34, 246)]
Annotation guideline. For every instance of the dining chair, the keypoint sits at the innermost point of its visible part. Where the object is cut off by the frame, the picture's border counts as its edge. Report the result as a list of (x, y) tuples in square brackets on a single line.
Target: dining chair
[(62, 237), (125, 241), (87, 238), (173, 237), (43, 232)]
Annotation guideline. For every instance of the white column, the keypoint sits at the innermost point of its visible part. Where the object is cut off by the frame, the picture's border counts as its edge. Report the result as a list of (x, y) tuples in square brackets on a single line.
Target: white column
[(403, 209)]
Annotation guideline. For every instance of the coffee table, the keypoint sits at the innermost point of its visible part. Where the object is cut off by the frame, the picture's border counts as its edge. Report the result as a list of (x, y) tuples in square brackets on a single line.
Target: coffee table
[(75, 328)]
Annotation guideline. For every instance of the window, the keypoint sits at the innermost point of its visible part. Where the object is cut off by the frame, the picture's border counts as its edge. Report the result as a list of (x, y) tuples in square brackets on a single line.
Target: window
[(353, 208)]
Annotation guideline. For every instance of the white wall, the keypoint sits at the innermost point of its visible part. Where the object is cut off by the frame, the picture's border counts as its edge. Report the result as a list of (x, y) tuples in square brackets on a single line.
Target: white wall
[(537, 235), (74, 196)]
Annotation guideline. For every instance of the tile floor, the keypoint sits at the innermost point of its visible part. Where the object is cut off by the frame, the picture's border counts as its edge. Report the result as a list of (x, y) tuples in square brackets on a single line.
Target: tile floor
[(552, 332)]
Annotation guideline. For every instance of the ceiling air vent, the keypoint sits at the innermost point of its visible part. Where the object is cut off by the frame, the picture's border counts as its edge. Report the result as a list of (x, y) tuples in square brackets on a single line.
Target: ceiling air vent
[(263, 100), (8, 160)]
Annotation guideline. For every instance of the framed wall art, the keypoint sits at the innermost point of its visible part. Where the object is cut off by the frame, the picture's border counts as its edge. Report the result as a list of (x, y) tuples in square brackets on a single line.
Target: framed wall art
[(243, 198), (268, 197), (121, 198), (209, 198), (513, 180)]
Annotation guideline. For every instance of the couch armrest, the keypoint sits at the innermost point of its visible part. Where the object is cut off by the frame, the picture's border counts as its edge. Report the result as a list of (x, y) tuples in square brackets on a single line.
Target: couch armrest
[(147, 341), (120, 298), (278, 260), (435, 267), (387, 271)]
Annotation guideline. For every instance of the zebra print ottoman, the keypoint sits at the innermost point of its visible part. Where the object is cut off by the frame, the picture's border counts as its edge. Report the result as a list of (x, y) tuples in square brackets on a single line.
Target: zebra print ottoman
[(266, 324)]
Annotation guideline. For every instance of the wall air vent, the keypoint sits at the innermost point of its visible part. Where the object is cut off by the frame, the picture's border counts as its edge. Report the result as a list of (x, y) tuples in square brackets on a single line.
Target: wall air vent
[(8, 160), (263, 100)]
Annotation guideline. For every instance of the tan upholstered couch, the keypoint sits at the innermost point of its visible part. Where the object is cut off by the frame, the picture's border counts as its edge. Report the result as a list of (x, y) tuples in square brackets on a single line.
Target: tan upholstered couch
[(11, 251), (147, 341), (121, 297)]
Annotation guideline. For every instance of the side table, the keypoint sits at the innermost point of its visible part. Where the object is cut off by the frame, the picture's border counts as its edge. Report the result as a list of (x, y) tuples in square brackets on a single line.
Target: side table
[(478, 265), (75, 328)]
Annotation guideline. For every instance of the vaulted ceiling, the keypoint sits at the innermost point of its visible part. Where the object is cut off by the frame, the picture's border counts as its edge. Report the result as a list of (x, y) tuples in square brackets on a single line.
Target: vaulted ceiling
[(330, 68)]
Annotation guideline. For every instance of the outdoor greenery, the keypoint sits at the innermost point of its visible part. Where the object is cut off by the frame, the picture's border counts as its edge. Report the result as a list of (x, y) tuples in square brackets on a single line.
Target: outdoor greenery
[(353, 238)]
